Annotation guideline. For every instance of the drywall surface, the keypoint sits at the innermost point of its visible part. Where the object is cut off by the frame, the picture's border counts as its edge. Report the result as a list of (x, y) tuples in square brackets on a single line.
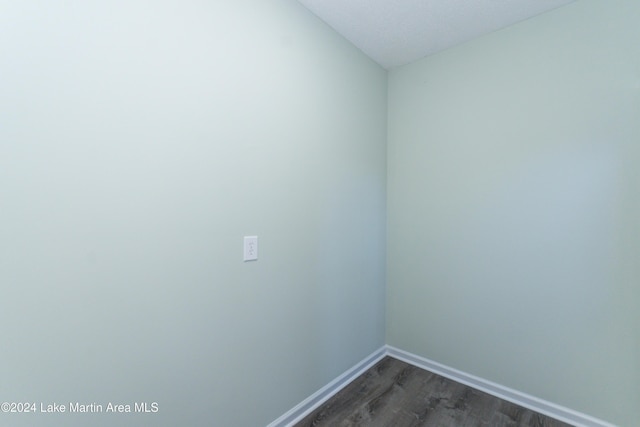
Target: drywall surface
[(514, 208), (139, 142)]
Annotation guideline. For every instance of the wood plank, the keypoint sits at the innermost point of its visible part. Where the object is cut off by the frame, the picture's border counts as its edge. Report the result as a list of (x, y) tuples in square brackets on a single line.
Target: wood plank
[(394, 393)]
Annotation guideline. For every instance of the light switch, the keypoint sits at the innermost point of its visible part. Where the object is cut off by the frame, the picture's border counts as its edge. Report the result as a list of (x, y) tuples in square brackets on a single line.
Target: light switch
[(250, 248)]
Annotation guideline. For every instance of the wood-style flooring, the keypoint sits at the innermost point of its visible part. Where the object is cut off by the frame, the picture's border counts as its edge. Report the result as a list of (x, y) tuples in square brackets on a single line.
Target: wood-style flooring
[(394, 393)]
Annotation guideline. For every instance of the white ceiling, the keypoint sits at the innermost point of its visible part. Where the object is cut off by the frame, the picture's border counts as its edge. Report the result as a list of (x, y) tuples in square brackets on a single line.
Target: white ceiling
[(396, 32)]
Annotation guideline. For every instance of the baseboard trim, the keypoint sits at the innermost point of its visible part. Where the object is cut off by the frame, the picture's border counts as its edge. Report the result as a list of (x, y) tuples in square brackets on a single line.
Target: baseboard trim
[(558, 412), (305, 407), (539, 405)]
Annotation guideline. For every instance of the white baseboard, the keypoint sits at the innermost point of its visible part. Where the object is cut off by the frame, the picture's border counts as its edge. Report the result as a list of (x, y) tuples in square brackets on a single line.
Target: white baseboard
[(307, 406), (527, 401), (538, 405)]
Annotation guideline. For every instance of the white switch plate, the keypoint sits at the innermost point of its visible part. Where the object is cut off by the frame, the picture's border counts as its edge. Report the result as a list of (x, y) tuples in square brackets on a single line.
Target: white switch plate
[(250, 248)]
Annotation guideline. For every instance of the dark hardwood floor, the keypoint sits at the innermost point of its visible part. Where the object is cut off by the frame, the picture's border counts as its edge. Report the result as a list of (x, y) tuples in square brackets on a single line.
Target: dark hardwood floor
[(394, 393)]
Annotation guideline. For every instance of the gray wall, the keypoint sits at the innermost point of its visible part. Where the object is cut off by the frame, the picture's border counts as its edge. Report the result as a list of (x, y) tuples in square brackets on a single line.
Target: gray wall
[(139, 141), (514, 208)]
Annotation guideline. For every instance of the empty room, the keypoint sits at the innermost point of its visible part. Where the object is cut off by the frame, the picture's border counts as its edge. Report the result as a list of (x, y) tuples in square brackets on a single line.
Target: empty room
[(240, 213)]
